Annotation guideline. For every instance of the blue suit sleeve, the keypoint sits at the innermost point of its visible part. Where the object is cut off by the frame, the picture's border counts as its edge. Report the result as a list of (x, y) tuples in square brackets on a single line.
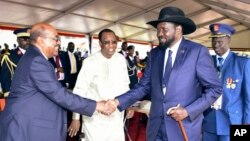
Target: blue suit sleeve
[(140, 91), (208, 77), (44, 78)]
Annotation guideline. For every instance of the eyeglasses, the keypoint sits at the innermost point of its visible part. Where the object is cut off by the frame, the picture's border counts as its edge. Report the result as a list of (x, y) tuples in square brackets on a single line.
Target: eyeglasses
[(57, 38)]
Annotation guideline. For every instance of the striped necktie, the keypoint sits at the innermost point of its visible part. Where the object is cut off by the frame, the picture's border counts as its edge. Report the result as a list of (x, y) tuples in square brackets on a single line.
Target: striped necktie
[(220, 60)]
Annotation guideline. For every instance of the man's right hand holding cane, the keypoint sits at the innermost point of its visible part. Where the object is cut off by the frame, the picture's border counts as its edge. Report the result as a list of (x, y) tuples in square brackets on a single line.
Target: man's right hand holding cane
[(179, 113)]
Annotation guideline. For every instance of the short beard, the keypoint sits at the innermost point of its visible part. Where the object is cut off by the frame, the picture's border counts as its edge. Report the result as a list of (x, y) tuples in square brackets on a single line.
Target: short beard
[(166, 44)]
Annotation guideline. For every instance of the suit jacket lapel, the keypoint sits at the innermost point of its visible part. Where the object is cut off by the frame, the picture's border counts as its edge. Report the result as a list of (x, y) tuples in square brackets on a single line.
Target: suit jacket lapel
[(180, 56), (226, 62), (160, 58), (179, 60)]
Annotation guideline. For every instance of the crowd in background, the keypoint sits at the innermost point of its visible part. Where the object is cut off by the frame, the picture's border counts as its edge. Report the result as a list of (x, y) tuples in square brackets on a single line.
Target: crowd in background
[(67, 65), (183, 82)]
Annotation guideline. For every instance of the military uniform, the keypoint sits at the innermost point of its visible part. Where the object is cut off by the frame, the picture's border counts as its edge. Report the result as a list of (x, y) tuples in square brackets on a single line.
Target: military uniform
[(232, 107), (9, 61)]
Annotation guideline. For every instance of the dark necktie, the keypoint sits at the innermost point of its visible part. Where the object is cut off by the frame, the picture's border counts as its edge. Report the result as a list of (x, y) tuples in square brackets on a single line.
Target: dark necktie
[(168, 68), (220, 60)]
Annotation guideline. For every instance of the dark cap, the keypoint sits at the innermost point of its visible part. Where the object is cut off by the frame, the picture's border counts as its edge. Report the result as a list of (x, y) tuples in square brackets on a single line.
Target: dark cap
[(175, 15), (130, 47), (22, 32), (221, 30)]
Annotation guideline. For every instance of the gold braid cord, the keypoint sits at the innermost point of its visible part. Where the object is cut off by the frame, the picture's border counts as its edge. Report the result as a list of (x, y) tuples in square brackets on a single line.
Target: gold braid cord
[(11, 66), (131, 68), (141, 66)]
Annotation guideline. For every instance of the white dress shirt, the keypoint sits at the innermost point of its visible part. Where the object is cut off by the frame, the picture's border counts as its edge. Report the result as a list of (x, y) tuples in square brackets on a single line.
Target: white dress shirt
[(22, 50), (102, 79), (72, 59)]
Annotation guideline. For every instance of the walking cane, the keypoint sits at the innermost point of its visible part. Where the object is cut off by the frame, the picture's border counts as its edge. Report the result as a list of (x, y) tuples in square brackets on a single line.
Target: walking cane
[(183, 132), (126, 129)]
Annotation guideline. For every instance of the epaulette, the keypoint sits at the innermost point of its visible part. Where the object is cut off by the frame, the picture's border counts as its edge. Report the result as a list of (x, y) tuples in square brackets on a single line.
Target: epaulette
[(11, 65), (4, 95), (141, 65), (243, 54)]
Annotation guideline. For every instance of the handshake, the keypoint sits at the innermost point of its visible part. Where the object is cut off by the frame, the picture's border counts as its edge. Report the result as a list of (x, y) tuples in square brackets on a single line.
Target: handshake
[(107, 107)]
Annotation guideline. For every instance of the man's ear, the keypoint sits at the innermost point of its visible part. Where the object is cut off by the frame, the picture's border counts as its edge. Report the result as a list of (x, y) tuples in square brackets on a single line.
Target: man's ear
[(39, 39), (229, 39), (179, 29)]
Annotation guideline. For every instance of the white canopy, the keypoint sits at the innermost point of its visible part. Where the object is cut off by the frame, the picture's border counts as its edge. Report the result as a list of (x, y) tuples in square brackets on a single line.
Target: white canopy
[(128, 17)]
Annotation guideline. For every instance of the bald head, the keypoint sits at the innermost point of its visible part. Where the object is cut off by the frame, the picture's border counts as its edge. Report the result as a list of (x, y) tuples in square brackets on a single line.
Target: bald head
[(45, 37), (40, 29)]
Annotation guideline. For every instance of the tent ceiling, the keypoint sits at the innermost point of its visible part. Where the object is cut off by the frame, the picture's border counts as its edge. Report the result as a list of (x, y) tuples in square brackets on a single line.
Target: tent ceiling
[(126, 17)]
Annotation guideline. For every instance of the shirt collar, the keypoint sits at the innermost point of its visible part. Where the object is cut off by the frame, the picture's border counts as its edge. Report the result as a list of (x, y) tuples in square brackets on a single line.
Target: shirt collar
[(131, 58), (70, 53), (44, 56), (224, 56), (175, 47), (22, 50)]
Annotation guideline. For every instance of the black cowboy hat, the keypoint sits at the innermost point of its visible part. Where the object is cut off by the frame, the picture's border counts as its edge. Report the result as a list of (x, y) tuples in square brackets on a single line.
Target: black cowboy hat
[(175, 15)]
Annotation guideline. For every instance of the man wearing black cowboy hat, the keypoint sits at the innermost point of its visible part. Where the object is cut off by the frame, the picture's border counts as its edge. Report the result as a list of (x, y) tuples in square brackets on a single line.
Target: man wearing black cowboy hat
[(179, 72)]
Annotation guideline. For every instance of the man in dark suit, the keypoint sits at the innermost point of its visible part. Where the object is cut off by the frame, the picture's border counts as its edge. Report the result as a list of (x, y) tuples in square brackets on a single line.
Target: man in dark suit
[(233, 107), (36, 107), (187, 86), (123, 51), (72, 66), (10, 59), (58, 62)]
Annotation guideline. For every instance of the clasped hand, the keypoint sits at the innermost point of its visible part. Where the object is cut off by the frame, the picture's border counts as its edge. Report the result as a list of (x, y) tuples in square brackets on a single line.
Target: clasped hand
[(107, 107), (104, 107)]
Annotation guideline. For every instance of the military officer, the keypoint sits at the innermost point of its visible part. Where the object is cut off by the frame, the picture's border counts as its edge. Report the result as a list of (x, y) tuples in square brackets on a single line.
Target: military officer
[(10, 59), (233, 106)]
